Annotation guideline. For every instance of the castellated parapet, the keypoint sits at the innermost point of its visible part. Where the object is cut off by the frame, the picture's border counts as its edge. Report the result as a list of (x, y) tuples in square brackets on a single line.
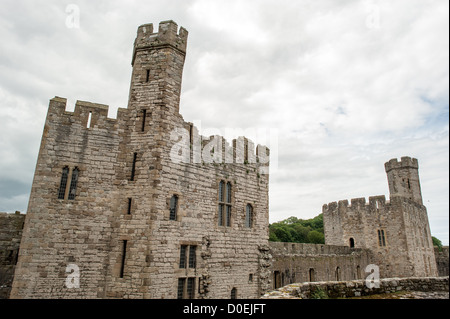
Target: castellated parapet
[(396, 230), (142, 206)]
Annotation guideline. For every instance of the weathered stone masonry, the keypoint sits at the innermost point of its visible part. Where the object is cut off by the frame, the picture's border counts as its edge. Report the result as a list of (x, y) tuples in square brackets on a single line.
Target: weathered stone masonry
[(11, 226), (119, 227)]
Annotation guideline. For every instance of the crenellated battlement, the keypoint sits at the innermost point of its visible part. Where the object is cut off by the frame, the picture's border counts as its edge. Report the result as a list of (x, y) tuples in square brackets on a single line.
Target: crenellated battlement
[(373, 202), (167, 35), (88, 114), (405, 162)]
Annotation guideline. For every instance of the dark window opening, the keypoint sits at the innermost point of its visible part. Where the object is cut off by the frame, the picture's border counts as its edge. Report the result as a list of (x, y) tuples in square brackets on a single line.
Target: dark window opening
[(233, 294), (147, 77), (191, 288), (73, 184), (276, 279), (224, 204), (228, 217), (181, 285), (338, 274), (173, 207), (186, 288), (63, 183), (221, 210), (183, 256), (409, 184), (249, 216), (381, 238), (144, 118), (124, 256), (352, 243), (192, 256), (312, 275), (130, 201), (133, 168)]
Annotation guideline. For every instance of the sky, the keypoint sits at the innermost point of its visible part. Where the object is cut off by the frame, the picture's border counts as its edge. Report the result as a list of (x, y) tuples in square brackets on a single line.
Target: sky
[(344, 86)]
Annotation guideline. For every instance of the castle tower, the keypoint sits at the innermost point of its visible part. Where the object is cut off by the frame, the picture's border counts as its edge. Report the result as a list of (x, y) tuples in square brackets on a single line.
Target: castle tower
[(158, 61), (403, 178)]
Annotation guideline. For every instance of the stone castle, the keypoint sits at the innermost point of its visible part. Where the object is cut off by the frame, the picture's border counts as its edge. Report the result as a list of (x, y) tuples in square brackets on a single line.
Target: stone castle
[(142, 206)]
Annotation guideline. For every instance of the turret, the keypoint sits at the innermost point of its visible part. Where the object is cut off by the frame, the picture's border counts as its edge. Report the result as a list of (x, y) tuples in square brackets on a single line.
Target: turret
[(158, 61), (403, 178)]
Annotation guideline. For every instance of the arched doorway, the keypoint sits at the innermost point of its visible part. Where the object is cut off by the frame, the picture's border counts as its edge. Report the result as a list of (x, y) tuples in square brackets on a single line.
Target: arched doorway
[(352, 243)]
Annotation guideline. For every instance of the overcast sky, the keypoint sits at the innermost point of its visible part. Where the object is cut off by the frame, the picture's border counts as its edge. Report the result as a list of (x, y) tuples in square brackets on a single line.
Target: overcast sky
[(347, 85)]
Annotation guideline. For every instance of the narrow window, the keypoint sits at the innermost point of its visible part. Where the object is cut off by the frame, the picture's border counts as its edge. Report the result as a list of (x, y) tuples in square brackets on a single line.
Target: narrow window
[(228, 205), (144, 118), (312, 275), (228, 193), (381, 238), (133, 168), (192, 256), (228, 217), (221, 214), (63, 183), (221, 191), (250, 278), (89, 120), (352, 243), (183, 256), (409, 184), (130, 201), (221, 202), (358, 272), (233, 294), (147, 77), (191, 288), (173, 207), (249, 216), (73, 183), (181, 285), (124, 256)]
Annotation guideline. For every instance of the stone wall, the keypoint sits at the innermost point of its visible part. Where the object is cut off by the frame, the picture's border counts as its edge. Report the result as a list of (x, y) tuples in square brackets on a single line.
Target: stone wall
[(10, 235), (442, 260), (357, 288), (293, 263)]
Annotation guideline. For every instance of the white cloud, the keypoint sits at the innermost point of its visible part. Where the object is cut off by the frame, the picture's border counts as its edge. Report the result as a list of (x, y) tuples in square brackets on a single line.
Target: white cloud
[(349, 85)]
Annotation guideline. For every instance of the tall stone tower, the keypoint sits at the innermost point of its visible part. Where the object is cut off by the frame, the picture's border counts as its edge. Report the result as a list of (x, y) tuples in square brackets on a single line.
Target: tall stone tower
[(403, 179), (113, 205), (396, 230)]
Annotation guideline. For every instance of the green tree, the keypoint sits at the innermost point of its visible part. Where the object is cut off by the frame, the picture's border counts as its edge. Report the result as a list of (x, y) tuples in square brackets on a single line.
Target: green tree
[(437, 242), (315, 237)]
